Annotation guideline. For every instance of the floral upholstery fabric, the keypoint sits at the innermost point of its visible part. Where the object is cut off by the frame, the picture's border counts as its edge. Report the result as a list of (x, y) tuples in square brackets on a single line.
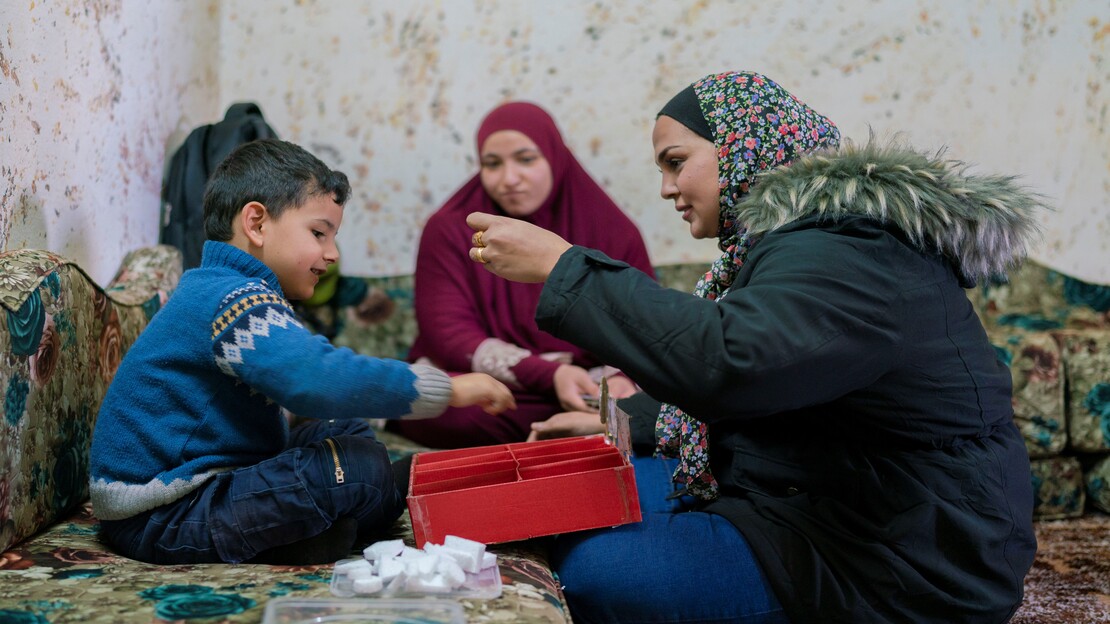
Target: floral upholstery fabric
[(1058, 488), (1053, 331), (1038, 396), (1086, 356), (1098, 484), (61, 339), (380, 321), (68, 575)]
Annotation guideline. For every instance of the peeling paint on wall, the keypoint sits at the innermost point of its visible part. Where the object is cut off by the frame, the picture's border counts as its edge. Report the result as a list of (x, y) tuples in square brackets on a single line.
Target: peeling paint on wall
[(92, 93), (393, 94)]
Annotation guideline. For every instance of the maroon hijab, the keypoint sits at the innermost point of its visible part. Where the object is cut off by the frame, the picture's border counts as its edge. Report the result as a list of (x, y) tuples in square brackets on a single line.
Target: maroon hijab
[(458, 303)]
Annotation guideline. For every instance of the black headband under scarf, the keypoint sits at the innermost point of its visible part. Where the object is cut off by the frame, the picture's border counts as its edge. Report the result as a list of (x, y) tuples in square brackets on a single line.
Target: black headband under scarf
[(685, 109)]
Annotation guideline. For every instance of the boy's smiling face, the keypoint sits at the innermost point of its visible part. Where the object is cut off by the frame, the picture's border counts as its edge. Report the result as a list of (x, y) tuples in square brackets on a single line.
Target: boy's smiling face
[(299, 245)]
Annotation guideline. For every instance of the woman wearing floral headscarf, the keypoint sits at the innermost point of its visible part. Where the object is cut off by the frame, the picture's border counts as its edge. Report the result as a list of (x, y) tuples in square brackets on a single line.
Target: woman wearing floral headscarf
[(835, 434)]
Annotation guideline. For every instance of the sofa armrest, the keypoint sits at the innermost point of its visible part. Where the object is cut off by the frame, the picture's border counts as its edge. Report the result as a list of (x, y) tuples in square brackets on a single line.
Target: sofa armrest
[(61, 339)]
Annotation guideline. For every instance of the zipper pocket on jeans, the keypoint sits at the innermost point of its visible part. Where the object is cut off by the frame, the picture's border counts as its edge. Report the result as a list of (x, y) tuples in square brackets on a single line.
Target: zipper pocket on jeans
[(335, 456)]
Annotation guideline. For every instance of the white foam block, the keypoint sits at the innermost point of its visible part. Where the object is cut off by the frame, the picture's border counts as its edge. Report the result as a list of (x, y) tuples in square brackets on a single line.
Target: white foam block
[(488, 560), (360, 573), (387, 548), (469, 560), (408, 553), (434, 585), (465, 545), (450, 571), (388, 569), (369, 585), (353, 564), (426, 566)]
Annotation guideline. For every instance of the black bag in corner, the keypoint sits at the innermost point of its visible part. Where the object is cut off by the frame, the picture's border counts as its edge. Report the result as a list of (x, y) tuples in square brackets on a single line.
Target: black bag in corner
[(190, 167)]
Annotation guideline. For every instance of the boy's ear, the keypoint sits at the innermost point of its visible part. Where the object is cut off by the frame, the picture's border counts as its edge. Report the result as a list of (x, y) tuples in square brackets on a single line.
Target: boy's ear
[(251, 217)]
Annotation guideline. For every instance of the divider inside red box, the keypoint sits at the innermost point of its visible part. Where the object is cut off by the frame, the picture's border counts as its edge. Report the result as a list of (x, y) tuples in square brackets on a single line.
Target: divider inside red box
[(443, 471)]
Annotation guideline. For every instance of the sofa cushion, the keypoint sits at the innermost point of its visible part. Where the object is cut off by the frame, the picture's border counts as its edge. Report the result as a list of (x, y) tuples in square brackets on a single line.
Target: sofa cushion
[(1098, 484), (1038, 396), (61, 339), (1086, 355), (1058, 488)]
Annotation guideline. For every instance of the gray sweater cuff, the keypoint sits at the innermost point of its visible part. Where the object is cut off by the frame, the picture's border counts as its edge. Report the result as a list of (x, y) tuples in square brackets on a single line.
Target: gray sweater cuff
[(433, 388)]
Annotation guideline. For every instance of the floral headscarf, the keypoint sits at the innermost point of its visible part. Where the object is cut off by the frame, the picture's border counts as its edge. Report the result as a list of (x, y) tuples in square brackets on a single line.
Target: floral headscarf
[(756, 126)]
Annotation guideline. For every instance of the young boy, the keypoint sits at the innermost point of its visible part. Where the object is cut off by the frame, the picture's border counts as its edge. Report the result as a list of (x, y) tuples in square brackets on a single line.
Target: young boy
[(192, 458)]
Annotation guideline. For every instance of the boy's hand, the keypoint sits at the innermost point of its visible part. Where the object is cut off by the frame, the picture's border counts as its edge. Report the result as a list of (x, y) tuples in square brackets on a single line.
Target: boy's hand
[(482, 390), (567, 424)]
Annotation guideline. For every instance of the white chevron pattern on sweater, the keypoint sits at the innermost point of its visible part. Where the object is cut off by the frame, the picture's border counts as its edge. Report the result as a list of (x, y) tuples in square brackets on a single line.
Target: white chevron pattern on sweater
[(240, 339)]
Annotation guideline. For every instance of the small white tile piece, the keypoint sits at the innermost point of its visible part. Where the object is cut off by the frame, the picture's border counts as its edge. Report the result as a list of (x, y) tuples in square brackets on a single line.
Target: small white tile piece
[(353, 564), (434, 585), (488, 560), (387, 548), (390, 568), (369, 585), (427, 565), (408, 553), (451, 571)]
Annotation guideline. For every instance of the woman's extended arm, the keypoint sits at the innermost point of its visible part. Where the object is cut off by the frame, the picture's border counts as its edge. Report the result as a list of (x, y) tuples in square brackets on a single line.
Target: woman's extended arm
[(806, 329), (812, 323)]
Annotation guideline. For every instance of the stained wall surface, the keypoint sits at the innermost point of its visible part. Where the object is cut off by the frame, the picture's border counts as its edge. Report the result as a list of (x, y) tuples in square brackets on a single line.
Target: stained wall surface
[(392, 94), (91, 93)]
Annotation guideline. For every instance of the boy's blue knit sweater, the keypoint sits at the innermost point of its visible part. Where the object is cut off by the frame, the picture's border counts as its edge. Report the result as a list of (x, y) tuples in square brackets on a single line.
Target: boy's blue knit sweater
[(201, 390)]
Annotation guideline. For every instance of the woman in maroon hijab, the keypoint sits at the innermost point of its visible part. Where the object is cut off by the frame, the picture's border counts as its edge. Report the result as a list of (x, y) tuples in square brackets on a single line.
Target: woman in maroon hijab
[(470, 320)]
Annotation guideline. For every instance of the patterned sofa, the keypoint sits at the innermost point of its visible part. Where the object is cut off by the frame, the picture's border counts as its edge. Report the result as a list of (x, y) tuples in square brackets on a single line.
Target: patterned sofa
[(61, 337), (1054, 333)]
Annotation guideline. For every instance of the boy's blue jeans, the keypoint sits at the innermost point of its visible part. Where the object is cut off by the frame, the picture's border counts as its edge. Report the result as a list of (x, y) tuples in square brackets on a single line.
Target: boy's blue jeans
[(675, 566), (284, 499)]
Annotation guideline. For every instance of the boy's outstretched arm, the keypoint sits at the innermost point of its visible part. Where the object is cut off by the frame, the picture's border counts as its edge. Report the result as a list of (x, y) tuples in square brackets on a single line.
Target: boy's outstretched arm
[(482, 390)]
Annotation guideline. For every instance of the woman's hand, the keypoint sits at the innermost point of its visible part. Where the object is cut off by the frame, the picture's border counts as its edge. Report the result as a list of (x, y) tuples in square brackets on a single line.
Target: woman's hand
[(565, 425), (571, 382), (482, 390), (620, 386), (514, 249)]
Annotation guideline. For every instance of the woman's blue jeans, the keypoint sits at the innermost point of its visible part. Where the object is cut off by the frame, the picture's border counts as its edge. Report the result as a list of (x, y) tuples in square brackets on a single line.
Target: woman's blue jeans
[(284, 499), (674, 566)]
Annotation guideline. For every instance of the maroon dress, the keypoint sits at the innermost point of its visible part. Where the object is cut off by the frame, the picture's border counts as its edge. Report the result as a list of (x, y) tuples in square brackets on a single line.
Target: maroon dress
[(470, 319)]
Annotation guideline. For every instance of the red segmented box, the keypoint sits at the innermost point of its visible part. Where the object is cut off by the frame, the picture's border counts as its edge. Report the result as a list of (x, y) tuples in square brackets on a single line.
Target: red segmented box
[(509, 492)]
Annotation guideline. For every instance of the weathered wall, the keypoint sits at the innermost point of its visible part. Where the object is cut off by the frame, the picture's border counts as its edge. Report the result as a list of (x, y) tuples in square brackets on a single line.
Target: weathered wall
[(92, 92), (90, 95)]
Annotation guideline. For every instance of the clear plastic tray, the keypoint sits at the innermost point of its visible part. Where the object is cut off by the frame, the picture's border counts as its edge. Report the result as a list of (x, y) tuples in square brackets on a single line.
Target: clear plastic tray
[(485, 584), (320, 611)]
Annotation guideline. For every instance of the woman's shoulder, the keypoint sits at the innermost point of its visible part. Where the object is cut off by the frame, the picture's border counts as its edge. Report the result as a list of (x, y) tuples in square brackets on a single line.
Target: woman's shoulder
[(860, 246)]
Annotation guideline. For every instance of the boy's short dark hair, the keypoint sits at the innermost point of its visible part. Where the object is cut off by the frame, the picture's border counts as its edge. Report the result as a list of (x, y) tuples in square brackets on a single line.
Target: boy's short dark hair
[(278, 174)]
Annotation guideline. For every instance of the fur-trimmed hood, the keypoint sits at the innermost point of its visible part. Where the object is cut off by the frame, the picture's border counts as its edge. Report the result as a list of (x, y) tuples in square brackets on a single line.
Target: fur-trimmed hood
[(984, 224)]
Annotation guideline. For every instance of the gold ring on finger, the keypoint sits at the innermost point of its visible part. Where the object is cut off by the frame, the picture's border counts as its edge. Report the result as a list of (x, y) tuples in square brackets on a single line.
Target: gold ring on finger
[(478, 252), (478, 239)]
